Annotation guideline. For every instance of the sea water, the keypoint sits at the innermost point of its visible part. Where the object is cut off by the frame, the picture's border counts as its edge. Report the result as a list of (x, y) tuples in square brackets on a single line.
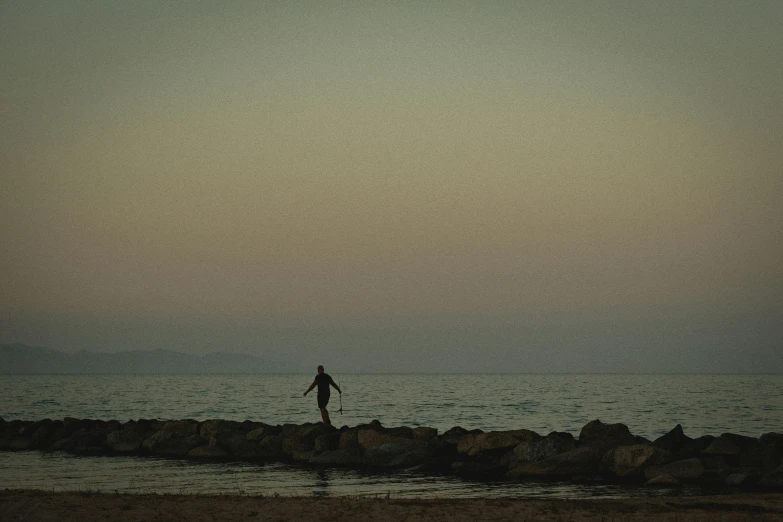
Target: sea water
[(649, 404)]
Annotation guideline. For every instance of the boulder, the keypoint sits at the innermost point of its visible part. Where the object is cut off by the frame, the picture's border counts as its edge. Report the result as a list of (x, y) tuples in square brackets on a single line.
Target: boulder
[(444, 447), (16, 443), (631, 461), (371, 438), (773, 479), (694, 447), (84, 441), (738, 450), (209, 451), (47, 433), (71, 425), (256, 434), (476, 443), (302, 456), (682, 470), (392, 455), (350, 439), (145, 428), (181, 428), (578, 461), (173, 443), (424, 433), (771, 450), (327, 442), (302, 438), (455, 434), (216, 431), (269, 448), (403, 432), (347, 457), (536, 449), (674, 441), (124, 441), (309, 432), (722, 446), (603, 437), (715, 463)]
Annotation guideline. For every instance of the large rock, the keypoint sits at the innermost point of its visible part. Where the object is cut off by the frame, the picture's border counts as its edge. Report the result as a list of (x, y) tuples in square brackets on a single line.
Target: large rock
[(578, 461), (443, 448), (46, 432), (476, 443), (72, 425), (682, 470), (771, 450), (269, 448), (84, 441), (739, 450), (124, 441), (773, 479), (16, 443), (208, 452), (181, 428), (424, 433), (217, 431), (722, 446), (237, 445), (631, 461), (173, 442), (603, 437), (403, 432), (536, 449), (256, 434), (455, 434), (368, 439), (673, 441), (302, 438), (348, 457), (392, 455), (694, 447), (327, 442)]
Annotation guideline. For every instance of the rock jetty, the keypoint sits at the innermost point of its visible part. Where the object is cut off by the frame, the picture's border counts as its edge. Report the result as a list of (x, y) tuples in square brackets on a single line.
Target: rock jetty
[(607, 451)]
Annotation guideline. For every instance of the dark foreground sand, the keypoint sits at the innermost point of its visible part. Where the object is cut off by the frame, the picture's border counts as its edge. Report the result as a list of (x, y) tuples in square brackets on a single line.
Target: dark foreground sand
[(87, 507)]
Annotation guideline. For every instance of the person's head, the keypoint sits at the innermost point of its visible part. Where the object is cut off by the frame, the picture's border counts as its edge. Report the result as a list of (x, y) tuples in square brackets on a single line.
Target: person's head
[(320, 369)]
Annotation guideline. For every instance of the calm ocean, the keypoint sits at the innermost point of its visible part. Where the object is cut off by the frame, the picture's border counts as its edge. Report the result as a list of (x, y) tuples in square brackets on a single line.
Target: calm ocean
[(649, 404)]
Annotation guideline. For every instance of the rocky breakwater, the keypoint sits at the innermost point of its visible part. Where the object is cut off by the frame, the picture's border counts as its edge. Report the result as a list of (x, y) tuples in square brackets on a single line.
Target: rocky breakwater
[(606, 451)]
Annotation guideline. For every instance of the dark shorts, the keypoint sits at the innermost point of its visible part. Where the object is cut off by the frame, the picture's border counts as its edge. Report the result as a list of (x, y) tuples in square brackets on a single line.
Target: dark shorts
[(323, 400)]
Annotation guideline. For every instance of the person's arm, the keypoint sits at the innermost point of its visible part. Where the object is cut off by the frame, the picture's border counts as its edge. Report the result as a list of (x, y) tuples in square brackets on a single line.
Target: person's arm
[(310, 388), (331, 381)]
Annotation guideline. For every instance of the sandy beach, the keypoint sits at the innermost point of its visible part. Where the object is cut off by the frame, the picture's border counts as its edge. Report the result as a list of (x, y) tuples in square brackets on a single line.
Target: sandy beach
[(87, 507)]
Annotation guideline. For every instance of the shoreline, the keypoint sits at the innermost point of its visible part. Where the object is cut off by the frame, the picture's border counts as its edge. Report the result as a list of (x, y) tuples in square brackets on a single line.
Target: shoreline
[(89, 506)]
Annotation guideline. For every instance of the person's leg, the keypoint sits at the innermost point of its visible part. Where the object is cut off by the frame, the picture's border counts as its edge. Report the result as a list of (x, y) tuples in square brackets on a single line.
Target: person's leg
[(325, 416)]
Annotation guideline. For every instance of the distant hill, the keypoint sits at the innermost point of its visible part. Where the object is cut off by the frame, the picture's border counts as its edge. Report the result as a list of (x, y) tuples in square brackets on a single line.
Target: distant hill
[(19, 359)]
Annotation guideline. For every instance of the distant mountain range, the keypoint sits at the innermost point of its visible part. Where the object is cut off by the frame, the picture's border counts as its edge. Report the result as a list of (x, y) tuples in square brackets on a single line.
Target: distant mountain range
[(19, 359)]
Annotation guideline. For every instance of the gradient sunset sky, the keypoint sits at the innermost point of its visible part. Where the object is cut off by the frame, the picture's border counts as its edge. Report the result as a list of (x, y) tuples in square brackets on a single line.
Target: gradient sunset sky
[(397, 186)]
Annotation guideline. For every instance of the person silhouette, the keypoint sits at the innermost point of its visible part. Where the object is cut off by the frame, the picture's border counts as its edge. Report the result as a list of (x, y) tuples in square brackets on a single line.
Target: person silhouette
[(323, 381)]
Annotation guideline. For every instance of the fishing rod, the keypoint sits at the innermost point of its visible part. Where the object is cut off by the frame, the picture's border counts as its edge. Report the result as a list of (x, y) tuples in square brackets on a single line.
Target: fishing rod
[(341, 397)]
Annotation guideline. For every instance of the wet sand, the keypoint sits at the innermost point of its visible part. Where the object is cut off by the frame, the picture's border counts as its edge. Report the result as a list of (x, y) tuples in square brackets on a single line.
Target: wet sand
[(88, 507)]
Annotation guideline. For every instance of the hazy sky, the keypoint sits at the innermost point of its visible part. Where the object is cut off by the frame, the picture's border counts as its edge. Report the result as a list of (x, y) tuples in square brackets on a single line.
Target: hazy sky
[(564, 186)]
